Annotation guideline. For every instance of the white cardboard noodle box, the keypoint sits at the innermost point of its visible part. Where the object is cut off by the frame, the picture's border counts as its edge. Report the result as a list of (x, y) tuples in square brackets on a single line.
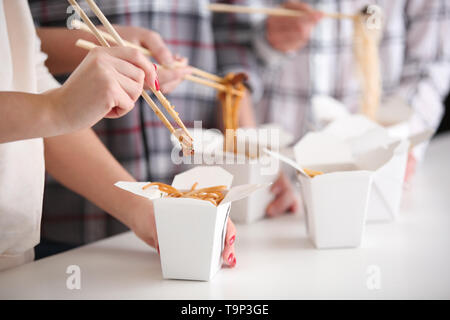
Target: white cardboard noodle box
[(261, 170), (367, 137), (191, 232), (338, 200), (250, 170)]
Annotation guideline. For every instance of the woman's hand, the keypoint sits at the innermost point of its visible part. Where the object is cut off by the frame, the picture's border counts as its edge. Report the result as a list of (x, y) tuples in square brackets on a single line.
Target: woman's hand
[(285, 197), (228, 254), (144, 226), (106, 84), (169, 78), (291, 33)]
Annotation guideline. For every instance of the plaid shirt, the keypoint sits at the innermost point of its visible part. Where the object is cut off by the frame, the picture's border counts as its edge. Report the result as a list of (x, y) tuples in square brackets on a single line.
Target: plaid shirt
[(139, 141), (414, 53)]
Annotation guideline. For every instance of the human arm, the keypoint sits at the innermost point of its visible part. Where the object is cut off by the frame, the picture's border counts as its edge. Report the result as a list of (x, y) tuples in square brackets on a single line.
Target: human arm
[(106, 84), (82, 163), (425, 76), (65, 61)]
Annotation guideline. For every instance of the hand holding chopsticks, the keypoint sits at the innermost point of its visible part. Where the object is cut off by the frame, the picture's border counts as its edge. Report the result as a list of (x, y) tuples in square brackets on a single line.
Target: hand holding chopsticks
[(198, 76), (183, 135)]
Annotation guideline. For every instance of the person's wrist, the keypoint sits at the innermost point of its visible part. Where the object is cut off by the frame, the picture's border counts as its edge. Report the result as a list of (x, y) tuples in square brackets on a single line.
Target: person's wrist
[(56, 112), (140, 221)]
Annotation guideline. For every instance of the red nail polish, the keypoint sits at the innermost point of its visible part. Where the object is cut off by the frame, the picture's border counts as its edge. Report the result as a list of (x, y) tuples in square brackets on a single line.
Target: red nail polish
[(156, 67), (232, 240), (230, 258), (234, 262), (157, 85), (158, 250)]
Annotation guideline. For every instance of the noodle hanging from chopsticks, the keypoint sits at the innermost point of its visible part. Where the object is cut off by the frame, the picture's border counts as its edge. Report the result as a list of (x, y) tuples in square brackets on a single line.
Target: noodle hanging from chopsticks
[(231, 104), (365, 46)]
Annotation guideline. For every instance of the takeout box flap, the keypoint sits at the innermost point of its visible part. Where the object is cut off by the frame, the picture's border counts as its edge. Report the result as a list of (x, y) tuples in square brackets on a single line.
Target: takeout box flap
[(420, 137), (136, 188), (372, 139), (318, 148), (376, 158), (327, 109), (271, 136), (205, 176), (394, 110), (242, 191), (350, 126)]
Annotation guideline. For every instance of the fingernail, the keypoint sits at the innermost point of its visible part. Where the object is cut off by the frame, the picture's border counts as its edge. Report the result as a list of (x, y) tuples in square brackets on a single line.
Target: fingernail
[(234, 262), (230, 258), (156, 67), (158, 250), (232, 240), (157, 85)]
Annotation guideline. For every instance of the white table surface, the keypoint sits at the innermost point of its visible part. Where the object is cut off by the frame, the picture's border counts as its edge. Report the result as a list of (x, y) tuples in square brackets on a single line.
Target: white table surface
[(275, 259)]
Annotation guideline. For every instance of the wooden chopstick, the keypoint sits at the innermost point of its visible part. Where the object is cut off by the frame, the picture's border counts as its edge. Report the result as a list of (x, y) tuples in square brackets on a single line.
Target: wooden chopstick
[(218, 86), (121, 43), (107, 36), (144, 94), (230, 8)]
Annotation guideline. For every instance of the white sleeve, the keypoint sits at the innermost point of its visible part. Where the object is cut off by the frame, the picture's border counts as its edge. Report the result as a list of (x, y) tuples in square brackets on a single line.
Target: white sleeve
[(45, 81), (426, 71)]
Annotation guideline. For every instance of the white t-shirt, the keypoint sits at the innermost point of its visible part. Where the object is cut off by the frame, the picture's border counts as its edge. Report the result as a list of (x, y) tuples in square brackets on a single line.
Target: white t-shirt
[(22, 167)]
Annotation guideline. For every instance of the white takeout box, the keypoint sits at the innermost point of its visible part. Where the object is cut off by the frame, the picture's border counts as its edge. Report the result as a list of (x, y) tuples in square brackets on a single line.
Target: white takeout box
[(395, 115), (336, 201), (326, 109), (260, 170), (191, 232), (247, 170), (252, 171), (366, 137), (204, 140)]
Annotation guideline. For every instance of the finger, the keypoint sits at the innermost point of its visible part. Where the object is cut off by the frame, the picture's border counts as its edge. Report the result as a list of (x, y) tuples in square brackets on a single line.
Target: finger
[(299, 6), (170, 75), (228, 253), (310, 13), (153, 42), (181, 61), (170, 79), (284, 25), (170, 86), (129, 70), (136, 58), (281, 204), (278, 185), (131, 87), (317, 16), (122, 103)]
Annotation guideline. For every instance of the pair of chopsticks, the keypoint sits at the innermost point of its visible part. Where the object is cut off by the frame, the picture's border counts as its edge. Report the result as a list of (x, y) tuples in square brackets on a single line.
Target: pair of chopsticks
[(230, 8), (186, 143), (203, 77)]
